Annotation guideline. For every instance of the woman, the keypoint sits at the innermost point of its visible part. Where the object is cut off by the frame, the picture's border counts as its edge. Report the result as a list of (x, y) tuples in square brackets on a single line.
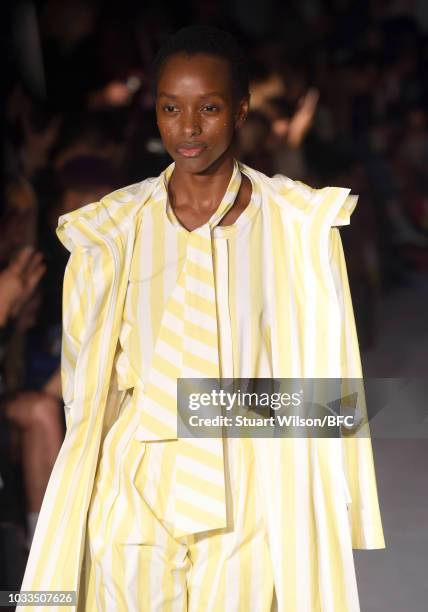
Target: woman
[(211, 269)]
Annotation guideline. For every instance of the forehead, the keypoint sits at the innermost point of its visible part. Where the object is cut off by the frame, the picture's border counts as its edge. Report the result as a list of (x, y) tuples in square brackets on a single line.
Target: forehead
[(196, 73)]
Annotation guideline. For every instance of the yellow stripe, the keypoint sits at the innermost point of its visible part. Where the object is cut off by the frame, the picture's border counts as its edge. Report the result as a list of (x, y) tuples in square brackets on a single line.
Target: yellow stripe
[(165, 367), (233, 305), (282, 302), (202, 274), (175, 308), (158, 428), (208, 368), (201, 485), (200, 303), (192, 330), (161, 397), (200, 242), (157, 296), (323, 208), (181, 282), (171, 338), (196, 513), (201, 455)]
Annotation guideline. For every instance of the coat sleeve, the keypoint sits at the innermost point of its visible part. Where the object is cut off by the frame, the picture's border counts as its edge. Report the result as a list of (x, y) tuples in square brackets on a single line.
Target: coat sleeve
[(364, 512), (75, 304), (54, 559)]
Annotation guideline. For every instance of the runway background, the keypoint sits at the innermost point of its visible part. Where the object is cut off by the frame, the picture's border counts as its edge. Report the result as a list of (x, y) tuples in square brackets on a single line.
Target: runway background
[(339, 97)]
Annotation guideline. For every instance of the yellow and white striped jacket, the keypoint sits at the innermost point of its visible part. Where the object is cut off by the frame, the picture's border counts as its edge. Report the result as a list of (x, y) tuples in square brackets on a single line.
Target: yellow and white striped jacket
[(312, 334)]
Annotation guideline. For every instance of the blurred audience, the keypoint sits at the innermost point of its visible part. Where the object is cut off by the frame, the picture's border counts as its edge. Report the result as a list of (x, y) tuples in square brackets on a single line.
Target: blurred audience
[(338, 97)]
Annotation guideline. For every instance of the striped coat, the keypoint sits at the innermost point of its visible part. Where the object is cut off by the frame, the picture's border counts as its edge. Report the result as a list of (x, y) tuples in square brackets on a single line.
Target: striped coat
[(313, 335)]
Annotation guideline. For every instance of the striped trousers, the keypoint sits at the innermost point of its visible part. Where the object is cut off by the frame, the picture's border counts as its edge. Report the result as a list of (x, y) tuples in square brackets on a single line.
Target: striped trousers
[(132, 563)]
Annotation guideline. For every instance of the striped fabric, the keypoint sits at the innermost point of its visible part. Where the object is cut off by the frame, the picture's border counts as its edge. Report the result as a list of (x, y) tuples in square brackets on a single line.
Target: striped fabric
[(284, 310), (134, 563), (187, 347)]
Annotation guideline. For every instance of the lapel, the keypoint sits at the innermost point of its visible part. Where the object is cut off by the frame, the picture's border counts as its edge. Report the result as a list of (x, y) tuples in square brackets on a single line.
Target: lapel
[(303, 302)]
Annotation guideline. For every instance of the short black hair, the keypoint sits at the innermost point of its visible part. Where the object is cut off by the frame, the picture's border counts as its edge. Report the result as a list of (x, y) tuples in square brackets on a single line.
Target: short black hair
[(209, 40)]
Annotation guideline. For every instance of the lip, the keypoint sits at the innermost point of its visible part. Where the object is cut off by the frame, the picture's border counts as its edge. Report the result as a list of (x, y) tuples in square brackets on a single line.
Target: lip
[(191, 149)]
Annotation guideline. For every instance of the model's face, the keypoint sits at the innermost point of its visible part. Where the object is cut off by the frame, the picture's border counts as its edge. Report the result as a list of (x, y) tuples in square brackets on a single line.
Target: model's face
[(197, 110)]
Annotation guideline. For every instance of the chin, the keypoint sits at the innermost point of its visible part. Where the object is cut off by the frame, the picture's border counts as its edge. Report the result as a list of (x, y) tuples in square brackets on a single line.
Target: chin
[(193, 165), (201, 164)]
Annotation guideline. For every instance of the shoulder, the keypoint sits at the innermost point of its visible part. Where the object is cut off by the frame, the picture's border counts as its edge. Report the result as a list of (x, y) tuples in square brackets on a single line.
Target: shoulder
[(123, 195), (108, 217), (333, 205)]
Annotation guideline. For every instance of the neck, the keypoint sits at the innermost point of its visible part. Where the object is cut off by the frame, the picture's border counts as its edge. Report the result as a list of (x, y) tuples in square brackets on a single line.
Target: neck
[(202, 191)]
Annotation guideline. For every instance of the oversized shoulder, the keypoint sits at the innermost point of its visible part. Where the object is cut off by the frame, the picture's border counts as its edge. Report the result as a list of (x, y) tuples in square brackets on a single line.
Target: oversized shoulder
[(329, 205), (107, 214)]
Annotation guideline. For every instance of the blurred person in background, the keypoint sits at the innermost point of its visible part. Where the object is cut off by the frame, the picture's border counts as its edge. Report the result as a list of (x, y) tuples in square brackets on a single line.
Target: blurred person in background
[(79, 180), (32, 402), (19, 218), (290, 125), (90, 134), (26, 437), (253, 142), (272, 138)]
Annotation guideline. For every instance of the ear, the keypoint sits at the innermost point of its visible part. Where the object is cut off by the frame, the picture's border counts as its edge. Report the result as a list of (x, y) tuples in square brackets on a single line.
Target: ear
[(242, 111)]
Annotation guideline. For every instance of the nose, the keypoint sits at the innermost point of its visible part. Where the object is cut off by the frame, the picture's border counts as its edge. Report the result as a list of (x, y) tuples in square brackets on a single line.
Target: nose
[(191, 124)]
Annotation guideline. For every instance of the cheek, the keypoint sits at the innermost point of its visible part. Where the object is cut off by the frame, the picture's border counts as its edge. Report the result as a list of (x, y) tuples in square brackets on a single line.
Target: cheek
[(221, 128), (166, 130)]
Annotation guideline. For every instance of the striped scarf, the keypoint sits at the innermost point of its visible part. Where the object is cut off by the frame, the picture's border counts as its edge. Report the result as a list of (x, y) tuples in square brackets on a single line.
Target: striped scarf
[(187, 346)]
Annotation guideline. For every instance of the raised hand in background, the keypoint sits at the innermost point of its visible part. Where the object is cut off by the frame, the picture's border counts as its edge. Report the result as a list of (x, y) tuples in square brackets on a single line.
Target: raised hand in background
[(303, 118), (18, 282)]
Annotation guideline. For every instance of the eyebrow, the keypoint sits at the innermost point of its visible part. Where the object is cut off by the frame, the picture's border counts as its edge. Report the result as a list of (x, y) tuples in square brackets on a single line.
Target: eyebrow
[(210, 93)]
